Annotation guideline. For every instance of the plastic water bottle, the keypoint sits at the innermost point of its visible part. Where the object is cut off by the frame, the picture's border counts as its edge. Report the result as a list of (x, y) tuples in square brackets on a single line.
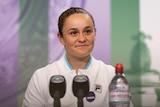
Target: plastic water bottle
[(119, 90)]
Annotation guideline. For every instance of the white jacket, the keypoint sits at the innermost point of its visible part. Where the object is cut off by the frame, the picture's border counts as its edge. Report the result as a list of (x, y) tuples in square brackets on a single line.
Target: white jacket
[(99, 74)]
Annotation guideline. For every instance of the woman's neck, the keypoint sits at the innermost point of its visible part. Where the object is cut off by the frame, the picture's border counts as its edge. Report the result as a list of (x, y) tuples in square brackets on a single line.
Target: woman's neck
[(78, 62)]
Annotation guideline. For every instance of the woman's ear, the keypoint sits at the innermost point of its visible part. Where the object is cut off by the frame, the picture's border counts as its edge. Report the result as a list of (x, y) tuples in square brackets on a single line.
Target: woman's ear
[(60, 38)]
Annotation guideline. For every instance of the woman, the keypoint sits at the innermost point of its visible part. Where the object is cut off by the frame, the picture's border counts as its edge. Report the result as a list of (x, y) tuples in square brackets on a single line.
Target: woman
[(77, 33)]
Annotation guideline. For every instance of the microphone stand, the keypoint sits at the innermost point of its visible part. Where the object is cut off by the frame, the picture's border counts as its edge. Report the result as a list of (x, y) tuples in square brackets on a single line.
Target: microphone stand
[(80, 98), (57, 102)]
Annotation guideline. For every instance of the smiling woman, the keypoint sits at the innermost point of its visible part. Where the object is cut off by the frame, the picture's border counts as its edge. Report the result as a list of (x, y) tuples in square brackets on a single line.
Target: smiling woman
[(28, 40), (77, 34)]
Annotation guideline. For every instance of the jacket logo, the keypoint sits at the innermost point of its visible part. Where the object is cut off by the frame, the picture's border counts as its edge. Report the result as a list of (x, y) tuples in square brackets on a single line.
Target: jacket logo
[(98, 88)]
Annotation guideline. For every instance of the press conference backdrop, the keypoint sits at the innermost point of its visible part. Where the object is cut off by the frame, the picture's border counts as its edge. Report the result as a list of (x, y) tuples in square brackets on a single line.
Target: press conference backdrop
[(127, 32)]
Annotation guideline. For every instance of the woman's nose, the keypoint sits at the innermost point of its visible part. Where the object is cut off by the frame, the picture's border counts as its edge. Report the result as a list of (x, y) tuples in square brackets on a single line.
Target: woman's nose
[(81, 37)]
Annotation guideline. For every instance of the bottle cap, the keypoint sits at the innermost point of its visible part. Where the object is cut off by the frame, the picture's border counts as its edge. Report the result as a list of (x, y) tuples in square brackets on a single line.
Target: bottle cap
[(119, 68)]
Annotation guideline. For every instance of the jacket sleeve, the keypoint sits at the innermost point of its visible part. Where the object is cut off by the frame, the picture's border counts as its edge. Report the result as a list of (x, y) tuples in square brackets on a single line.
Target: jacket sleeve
[(33, 96)]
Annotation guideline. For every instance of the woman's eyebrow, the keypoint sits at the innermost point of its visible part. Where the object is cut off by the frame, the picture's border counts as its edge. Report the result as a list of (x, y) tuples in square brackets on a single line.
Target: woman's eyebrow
[(71, 29), (88, 27)]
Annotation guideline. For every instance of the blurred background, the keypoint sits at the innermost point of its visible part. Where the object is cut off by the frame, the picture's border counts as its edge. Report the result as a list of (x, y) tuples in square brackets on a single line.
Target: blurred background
[(127, 32)]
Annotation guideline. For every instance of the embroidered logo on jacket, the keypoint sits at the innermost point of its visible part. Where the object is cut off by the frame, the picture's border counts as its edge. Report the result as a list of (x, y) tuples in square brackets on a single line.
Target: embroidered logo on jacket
[(98, 88)]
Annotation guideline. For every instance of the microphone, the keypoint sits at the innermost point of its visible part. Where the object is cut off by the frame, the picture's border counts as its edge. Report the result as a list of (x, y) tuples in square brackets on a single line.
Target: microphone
[(80, 88), (57, 89)]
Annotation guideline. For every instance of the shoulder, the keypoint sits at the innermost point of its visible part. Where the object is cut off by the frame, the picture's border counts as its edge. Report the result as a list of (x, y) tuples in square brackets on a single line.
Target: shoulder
[(100, 63), (103, 67), (48, 70)]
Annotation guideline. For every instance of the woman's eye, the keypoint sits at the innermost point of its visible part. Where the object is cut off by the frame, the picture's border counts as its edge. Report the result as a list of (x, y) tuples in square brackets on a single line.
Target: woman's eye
[(88, 31), (73, 33)]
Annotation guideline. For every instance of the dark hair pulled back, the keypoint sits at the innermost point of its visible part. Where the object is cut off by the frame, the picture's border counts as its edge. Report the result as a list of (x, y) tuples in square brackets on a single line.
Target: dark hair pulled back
[(67, 13)]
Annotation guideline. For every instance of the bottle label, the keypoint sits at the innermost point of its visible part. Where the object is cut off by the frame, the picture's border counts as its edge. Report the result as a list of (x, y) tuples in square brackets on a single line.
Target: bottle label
[(119, 95)]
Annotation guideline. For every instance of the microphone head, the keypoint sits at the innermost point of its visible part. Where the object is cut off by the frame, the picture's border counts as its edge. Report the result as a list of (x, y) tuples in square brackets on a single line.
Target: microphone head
[(57, 86), (80, 86)]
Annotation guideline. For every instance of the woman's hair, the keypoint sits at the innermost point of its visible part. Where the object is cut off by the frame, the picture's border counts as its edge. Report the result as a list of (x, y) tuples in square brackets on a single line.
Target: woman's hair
[(69, 12)]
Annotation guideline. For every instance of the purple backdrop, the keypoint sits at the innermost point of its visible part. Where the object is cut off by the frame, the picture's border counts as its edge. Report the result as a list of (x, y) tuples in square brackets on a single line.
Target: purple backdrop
[(9, 14)]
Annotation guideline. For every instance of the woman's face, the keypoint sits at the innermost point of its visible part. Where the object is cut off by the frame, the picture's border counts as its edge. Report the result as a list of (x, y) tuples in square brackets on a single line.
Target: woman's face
[(78, 35)]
